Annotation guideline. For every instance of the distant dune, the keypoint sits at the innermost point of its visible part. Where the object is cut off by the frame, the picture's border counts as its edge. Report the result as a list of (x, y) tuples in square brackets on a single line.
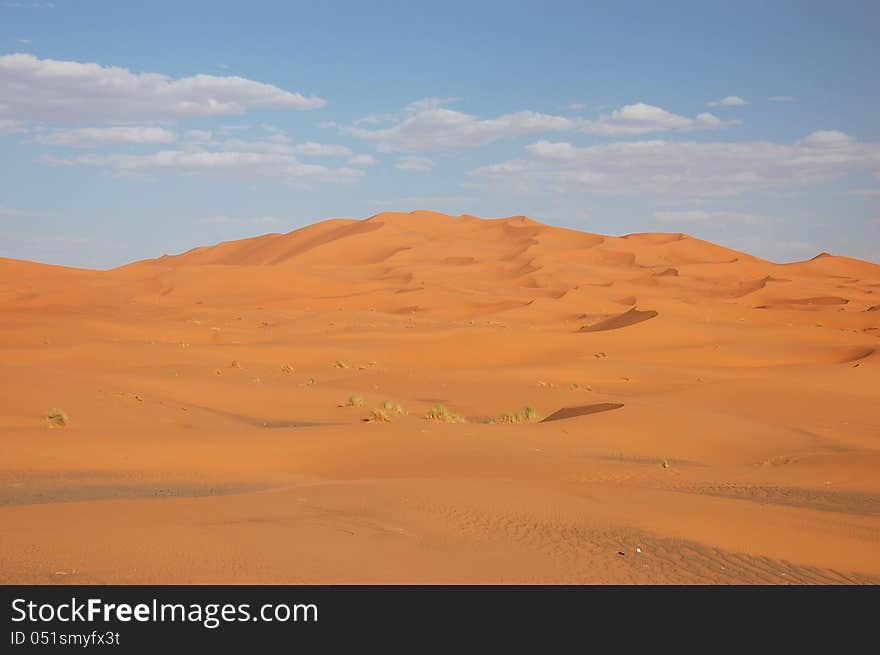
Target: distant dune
[(254, 411)]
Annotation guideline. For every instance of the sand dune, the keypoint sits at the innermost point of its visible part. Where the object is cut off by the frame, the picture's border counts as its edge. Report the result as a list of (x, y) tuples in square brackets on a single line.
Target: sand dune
[(215, 405)]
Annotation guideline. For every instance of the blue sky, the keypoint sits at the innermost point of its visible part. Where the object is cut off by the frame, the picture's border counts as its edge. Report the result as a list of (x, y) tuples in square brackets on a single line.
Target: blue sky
[(129, 130)]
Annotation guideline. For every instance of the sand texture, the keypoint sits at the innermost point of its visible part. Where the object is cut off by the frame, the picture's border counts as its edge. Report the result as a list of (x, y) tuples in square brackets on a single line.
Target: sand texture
[(699, 415)]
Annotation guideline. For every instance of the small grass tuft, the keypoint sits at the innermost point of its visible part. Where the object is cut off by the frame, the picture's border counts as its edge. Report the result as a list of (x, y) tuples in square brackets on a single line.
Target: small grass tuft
[(527, 415), (392, 408), (354, 401), (379, 416), (287, 368), (440, 414), (57, 418), (340, 364)]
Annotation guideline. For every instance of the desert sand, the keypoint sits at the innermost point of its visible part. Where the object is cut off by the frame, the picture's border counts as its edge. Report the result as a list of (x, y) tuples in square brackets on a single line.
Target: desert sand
[(711, 417)]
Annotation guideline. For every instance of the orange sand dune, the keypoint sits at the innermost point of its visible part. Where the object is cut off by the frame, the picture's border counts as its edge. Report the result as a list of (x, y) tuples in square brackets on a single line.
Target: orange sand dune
[(216, 404)]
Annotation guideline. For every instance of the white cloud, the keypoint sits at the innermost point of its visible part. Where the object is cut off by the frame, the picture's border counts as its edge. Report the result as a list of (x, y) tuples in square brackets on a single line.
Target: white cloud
[(411, 109), (641, 118), (90, 137), (426, 126), (559, 150), (427, 103), (11, 127), (10, 212), (707, 120), (414, 164), (312, 149), (215, 164), (372, 119), (434, 128), (683, 168), (717, 217), (226, 130), (275, 143), (198, 136), (362, 160), (728, 101), (827, 139), (203, 154), (48, 90), (781, 99)]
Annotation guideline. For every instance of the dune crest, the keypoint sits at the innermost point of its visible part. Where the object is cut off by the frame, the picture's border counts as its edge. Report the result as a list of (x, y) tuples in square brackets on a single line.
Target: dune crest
[(457, 262)]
